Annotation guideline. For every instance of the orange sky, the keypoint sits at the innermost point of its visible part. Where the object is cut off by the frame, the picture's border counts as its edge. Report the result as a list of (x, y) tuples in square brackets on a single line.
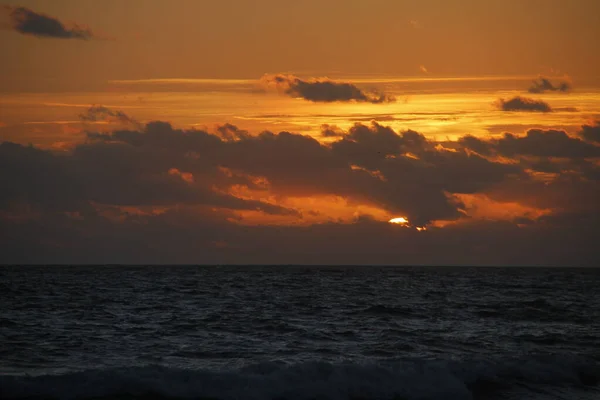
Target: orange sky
[(241, 39), (425, 110)]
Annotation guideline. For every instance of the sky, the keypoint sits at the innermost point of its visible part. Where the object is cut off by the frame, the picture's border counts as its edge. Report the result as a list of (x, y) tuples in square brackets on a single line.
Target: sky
[(317, 132)]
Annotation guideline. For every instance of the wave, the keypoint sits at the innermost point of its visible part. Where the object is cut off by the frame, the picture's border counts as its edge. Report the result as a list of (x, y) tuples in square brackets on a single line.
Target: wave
[(400, 379)]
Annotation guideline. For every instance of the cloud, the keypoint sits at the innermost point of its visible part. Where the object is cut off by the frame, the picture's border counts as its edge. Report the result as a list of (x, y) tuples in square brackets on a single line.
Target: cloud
[(546, 143), (323, 90), (101, 113), (537, 143), (591, 133), (519, 103), (154, 193), (542, 85), (29, 22), (480, 146), (368, 164), (180, 237), (331, 131), (562, 171), (109, 173)]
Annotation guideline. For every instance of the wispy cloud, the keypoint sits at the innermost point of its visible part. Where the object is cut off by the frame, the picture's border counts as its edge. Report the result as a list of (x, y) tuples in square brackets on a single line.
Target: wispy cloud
[(542, 85), (101, 113), (324, 90), (182, 81), (29, 22)]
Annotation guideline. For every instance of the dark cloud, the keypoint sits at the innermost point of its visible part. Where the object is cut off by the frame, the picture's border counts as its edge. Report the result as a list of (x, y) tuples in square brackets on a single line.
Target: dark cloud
[(324, 90), (546, 143), (331, 131), (480, 146), (179, 237), (569, 167), (112, 173), (29, 22), (101, 113), (567, 192), (519, 103), (231, 132), (537, 143), (399, 172), (542, 85), (370, 146), (38, 178), (79, 206), (389, 175), (591, 133)]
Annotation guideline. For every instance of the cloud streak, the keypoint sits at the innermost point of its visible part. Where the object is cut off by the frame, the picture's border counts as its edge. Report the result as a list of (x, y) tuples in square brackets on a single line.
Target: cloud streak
[(323, 90), (29, 22)]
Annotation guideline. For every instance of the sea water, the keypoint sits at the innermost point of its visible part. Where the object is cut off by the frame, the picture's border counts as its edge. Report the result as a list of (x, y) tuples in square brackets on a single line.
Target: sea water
[(290, 332)]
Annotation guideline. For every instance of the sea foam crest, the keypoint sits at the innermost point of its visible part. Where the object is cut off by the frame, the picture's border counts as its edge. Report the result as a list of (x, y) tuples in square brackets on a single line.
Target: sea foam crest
[(407, 379)]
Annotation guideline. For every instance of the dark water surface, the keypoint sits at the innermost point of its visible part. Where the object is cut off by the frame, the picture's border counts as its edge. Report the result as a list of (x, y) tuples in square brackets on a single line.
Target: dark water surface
[(299, 333)]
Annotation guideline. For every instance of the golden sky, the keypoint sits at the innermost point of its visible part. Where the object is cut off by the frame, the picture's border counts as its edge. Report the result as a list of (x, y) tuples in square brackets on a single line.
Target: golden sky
[(292, 132), (245, 39)]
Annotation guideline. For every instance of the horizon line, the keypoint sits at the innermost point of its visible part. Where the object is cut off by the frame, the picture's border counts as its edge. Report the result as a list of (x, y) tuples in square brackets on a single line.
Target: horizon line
[(217, 265)]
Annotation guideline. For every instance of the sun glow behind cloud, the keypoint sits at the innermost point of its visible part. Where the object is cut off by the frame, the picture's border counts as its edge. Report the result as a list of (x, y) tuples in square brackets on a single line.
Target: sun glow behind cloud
[(402, 221), (314, 209)]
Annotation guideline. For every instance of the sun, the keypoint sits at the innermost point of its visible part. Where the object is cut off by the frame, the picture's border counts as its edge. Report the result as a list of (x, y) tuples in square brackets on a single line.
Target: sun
[(402, 221), (399, 221)]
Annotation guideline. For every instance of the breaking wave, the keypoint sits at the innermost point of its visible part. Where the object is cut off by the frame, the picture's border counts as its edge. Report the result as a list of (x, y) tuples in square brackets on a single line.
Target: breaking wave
[(401, 379)]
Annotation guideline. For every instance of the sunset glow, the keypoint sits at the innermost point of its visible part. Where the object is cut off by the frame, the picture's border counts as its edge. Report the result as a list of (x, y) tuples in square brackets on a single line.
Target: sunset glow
[(293, 131), (311, 199)]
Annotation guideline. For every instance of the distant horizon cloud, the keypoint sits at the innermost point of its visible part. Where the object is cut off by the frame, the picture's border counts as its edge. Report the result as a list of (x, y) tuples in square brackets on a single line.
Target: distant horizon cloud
[(28, 22), (519, 103), (169, 194), (542, 85), (323, 90)]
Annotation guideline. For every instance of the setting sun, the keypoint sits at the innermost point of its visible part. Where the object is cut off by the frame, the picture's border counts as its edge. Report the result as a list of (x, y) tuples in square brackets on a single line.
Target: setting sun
[(399, 221)]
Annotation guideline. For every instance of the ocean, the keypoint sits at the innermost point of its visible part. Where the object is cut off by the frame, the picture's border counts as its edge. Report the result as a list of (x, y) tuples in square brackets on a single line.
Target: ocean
[(291, 332)]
